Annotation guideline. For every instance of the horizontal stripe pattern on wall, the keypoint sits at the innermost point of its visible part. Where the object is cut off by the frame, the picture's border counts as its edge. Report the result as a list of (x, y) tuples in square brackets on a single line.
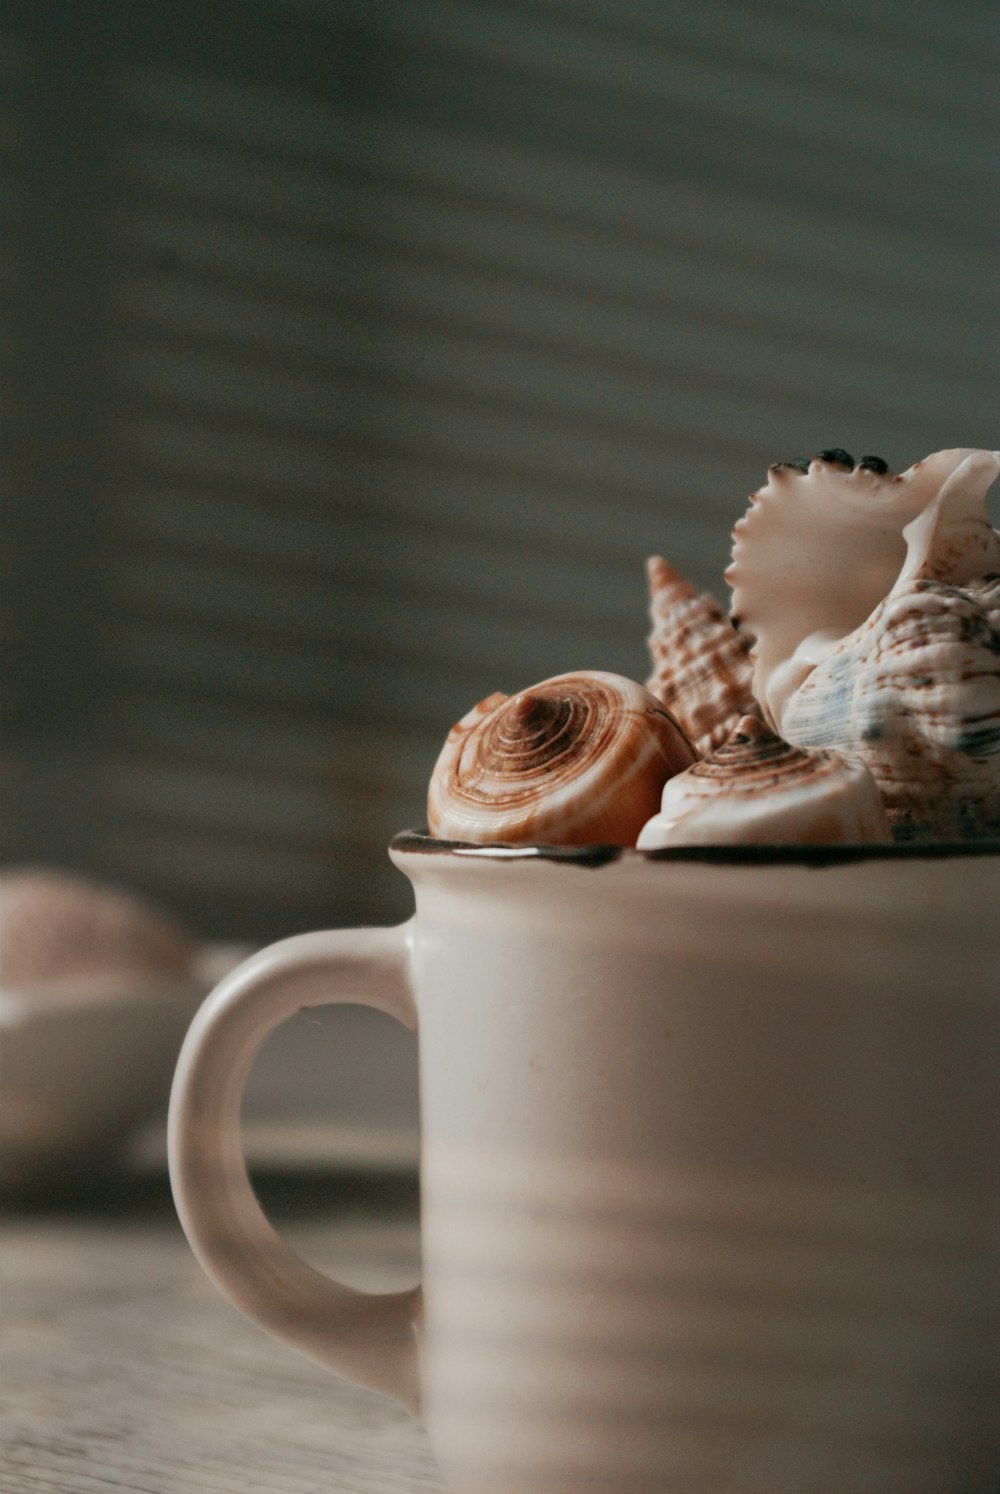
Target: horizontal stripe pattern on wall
[(387, 342)]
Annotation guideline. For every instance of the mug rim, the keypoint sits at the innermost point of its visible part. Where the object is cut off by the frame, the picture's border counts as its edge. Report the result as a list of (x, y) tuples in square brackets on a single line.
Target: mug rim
[(422, 843)]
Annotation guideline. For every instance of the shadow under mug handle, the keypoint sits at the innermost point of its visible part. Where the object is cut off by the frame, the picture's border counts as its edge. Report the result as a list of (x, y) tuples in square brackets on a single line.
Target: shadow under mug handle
[(367, 1337)]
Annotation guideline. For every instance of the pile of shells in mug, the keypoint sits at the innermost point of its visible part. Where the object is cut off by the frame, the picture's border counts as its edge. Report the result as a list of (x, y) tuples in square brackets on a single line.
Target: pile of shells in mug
[(851, 696)]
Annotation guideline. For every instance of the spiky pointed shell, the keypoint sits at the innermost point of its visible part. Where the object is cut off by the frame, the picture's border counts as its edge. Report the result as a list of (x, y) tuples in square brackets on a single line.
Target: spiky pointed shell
[(701, 664)]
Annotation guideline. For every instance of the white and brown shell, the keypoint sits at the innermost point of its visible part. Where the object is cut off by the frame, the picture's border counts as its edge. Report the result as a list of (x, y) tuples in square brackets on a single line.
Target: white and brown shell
[(702, 671), (875, 604), (757, 789), (578, 759)]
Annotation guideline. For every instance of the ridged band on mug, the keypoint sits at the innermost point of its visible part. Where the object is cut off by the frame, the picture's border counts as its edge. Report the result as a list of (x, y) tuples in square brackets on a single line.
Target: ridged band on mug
[(598, 1319)]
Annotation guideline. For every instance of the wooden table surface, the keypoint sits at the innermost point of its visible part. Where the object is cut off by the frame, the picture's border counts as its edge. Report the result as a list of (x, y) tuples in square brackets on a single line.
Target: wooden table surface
[(125, 1371)]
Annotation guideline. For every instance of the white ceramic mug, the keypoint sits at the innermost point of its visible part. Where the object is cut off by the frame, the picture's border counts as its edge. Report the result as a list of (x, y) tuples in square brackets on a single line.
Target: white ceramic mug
[(710, 1167)]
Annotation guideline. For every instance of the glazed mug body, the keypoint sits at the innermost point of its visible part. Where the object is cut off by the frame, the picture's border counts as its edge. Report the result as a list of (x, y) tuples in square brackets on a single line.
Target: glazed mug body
[(710, 1175)]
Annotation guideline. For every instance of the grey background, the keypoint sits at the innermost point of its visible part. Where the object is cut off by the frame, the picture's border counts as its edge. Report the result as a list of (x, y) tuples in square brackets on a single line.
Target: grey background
[(358, 355)]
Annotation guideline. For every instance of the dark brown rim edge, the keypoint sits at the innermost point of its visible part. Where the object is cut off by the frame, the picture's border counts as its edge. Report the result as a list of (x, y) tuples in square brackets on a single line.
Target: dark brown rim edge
[(419, 842)]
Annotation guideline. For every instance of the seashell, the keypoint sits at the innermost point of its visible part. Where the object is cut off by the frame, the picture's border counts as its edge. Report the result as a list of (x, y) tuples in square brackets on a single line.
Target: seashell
[(757, 789), (702, 670), (57, 926), (578, 759), (822, 545), (912, 684)]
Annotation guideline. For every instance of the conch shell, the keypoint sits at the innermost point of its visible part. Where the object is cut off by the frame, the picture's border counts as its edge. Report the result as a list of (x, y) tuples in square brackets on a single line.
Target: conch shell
[(578, 759), (702, 669), (874, 601), (756, 789)]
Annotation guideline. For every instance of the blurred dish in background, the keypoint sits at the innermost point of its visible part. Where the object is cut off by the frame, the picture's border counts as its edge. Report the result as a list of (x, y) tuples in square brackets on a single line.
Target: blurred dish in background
[(97, 988)]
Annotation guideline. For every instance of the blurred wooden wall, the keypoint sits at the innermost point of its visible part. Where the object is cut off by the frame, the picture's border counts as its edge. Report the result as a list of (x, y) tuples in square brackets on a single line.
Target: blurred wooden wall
[(358, 354)]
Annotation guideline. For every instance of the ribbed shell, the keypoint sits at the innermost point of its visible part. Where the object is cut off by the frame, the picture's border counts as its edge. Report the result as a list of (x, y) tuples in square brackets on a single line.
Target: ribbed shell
[(915, 694), (758, 789), (702, 669), (578, 759)]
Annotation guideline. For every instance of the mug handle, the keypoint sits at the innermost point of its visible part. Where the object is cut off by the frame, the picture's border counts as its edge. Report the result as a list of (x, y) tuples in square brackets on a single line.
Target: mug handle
[(369, 1338)]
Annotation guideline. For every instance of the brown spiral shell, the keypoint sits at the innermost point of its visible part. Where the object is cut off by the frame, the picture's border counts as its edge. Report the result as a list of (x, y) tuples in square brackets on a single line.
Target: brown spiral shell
[(759, 789), (578, 759)]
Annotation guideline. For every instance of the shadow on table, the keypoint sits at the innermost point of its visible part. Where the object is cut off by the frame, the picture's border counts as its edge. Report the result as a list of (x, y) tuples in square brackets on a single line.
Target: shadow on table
[(106, 1189)]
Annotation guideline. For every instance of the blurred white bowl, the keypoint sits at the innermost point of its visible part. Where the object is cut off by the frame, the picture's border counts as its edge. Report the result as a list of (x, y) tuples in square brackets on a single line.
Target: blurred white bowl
[(84, 1060)]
